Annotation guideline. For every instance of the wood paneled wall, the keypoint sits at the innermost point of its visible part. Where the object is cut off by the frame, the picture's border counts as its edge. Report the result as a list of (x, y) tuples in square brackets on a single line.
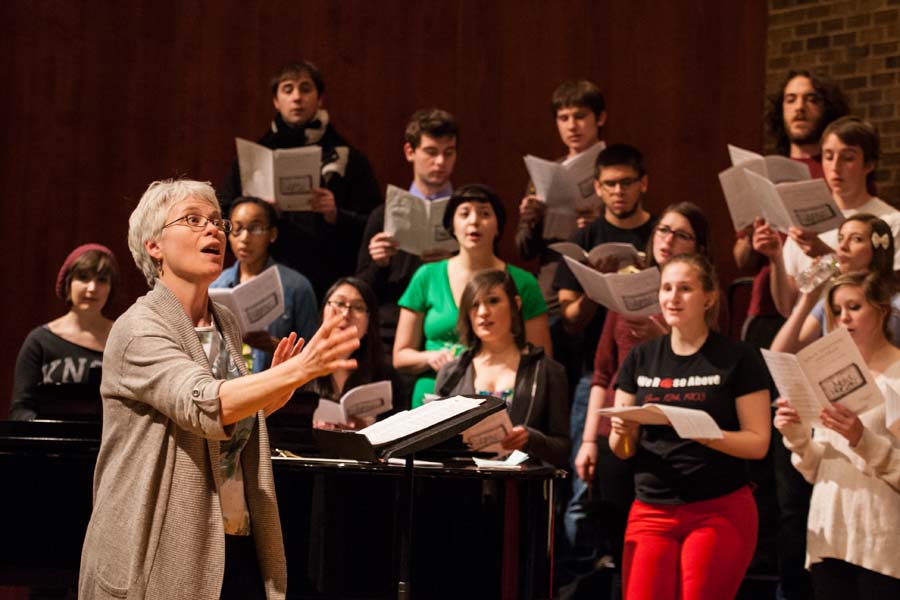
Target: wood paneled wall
[(102, 98)]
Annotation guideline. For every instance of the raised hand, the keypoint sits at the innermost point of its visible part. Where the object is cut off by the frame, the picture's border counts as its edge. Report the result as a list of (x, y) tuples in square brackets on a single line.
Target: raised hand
[(328, 349)]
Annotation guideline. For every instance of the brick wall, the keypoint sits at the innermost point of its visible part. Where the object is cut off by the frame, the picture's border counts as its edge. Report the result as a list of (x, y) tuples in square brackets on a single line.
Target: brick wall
[(855, 43)]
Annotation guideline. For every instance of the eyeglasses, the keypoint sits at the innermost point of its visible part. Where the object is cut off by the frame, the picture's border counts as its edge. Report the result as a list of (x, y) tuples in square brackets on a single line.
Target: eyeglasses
[(254, 229), (665, 230), (339, 306), (199, 223), (626, 182)]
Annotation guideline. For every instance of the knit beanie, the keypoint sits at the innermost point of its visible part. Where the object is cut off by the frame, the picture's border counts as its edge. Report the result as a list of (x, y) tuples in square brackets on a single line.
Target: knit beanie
[(70, 261)]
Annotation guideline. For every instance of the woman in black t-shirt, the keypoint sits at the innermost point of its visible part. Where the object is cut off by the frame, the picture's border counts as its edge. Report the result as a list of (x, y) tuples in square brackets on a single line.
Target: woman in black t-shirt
[(692, 528)]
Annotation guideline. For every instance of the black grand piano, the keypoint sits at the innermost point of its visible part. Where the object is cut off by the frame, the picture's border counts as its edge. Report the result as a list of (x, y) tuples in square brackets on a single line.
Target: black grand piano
[(475, 533)]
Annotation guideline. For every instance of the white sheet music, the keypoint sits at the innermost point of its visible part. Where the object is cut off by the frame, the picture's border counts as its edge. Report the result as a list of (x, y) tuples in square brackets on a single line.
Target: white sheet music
[(630, 294), (750, 193), (688, 423), (369, 400), (486, 435), (775, 168), (638, 414), (564, 187), (256, 302), (512, 462), (416, 223), (691, 423), (408, 422), (805, 204), (829, 370), (286, 176), (792, 384)]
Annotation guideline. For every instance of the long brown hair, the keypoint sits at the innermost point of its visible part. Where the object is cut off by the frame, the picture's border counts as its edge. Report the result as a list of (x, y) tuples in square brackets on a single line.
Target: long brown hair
[(481, 284)]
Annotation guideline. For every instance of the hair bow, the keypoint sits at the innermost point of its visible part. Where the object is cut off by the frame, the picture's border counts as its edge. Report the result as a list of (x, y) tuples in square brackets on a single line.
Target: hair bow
[(880, 241)]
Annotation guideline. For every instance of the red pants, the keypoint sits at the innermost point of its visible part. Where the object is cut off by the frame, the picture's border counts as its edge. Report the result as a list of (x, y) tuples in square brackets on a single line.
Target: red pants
[(694, 551)]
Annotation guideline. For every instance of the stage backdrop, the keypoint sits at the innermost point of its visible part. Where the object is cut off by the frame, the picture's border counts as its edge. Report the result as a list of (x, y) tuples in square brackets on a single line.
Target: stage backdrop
[(103, 98)]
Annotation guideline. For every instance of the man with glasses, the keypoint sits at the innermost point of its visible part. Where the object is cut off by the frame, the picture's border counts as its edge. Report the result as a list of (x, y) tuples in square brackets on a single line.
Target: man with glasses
[(251, 232), (621, 183)]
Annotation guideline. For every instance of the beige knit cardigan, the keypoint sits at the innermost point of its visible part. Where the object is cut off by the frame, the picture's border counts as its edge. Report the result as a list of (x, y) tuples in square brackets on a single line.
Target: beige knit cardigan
[(156, 529)]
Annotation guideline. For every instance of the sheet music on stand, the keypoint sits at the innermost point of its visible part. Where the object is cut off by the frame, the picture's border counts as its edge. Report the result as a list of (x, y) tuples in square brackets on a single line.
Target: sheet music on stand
[(409, 431), (408, 422)]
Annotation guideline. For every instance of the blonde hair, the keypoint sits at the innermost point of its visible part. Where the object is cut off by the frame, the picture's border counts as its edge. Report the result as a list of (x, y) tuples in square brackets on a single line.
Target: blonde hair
[(877, 291), (706, 273)]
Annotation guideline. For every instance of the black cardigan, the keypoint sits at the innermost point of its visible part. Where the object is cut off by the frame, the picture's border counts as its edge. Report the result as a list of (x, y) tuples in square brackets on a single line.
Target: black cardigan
[(540, 400)]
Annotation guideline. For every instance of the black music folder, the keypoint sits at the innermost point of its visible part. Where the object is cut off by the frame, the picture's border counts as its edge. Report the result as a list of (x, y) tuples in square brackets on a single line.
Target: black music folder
[(357, 446)]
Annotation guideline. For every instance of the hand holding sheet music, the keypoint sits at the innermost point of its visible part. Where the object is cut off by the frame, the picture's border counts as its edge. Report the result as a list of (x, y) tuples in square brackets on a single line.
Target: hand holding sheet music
[(416, 224), (689, 423), (488, 434), (629, 294), (829, 370), (285, 176), (363, 401), (625, 254), (565, 187), (804, 204), (255, 303)]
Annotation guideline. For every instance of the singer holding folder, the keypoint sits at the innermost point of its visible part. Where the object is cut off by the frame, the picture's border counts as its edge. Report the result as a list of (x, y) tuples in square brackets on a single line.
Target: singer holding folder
[(603, 491), (502, 364), (853, 460), (352, 301), (692, 528), (184, 498)]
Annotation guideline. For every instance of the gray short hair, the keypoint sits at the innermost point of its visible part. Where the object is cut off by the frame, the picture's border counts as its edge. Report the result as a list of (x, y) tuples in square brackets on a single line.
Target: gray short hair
[(147, 221)]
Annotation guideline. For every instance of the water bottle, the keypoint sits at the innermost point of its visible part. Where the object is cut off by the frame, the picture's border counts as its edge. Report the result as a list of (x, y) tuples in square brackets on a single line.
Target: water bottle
[(820, 271)]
